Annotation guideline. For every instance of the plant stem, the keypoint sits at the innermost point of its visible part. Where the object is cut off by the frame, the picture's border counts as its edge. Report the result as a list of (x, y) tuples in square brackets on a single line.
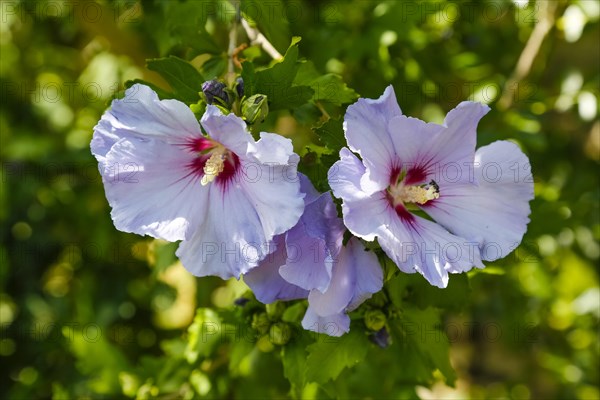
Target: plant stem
[(256, 37)]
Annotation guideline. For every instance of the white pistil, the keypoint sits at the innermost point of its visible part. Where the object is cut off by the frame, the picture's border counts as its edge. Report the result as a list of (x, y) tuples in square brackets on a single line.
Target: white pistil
[(413, 194), (213, 167)]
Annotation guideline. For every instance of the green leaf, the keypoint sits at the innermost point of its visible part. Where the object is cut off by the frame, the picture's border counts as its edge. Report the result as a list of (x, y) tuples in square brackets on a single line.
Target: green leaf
[(214, 67), (182, 24), (328, 88), (293, 356), (418, 340), (331, 134), (414, 289), (330, 355), (240, 355), (183, 78), (203, 334), (316, 166), (277, 81)]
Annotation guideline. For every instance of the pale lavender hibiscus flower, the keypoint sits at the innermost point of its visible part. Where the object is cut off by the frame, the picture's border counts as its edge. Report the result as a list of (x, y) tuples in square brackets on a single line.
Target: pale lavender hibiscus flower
[(310, 261), (479, 204), (223, 194)]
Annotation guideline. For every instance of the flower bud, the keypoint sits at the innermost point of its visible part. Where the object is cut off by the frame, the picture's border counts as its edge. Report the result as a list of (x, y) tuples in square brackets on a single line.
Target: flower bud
[(215, 91), (275, 310), (381, 338), (239, 87), (280, 333), (375, 320), (260, 322), (255, 108)]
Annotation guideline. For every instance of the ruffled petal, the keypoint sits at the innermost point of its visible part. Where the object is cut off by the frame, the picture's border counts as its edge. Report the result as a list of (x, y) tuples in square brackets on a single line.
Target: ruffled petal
[(150, 190), (313, 244), (332, 325), (270, 182), (357, 275), (265, 281), (363, 214), (340, 291), (103, 139), (494, 212), (369, 276), (310, 193), (449, 154), (344, 176), (457, 142), (419, 245), (309, 263), (230, 241), (141, 113), (366, 131), (411, 139), (229, 130)]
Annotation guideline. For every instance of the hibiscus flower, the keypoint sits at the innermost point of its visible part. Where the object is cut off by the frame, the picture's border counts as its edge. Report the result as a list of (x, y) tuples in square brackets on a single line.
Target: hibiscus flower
[(476, 207), (222, 193)]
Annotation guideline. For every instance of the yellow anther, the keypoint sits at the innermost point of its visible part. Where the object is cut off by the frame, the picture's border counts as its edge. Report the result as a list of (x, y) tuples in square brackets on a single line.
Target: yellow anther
[(413, 194), (213, 167)]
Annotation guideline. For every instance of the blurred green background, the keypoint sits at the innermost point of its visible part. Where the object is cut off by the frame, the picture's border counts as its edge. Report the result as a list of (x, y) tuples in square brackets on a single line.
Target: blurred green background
[(90, 312)]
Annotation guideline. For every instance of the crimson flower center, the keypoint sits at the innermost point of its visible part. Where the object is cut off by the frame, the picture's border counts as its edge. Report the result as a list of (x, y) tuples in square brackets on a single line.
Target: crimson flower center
[(213, 161)]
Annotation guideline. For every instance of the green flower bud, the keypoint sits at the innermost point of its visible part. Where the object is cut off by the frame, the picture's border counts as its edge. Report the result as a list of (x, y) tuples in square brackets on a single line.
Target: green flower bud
[(280, 333), (275, 310), (261, 322), (375, 319), (255, 108)]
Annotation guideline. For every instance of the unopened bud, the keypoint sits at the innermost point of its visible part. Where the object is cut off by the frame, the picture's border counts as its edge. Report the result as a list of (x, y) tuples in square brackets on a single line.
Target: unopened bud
[(275, 310), (381, 338), (375, 320), (261, 323), (280, 333), (239, 87), (215, 91), (255, 108)]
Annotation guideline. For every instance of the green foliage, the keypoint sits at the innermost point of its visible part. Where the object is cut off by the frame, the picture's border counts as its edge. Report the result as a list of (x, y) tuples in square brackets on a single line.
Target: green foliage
[(184, 79), (277, 81), (87, 311), (204, 334), (422, 345), (328, 356)]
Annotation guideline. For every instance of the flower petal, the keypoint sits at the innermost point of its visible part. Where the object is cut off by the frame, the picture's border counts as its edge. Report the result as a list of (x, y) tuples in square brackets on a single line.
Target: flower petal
[(310, 193), (269, 179), (411, 138), (229, 130), (314, 242), (150, 190), (332, 325), (494, 212), (363, 214), (230, 241), (366, 131), (419, 245), (450, 153), (369, 276), (340, 291), (265, 281), (142, 113)]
